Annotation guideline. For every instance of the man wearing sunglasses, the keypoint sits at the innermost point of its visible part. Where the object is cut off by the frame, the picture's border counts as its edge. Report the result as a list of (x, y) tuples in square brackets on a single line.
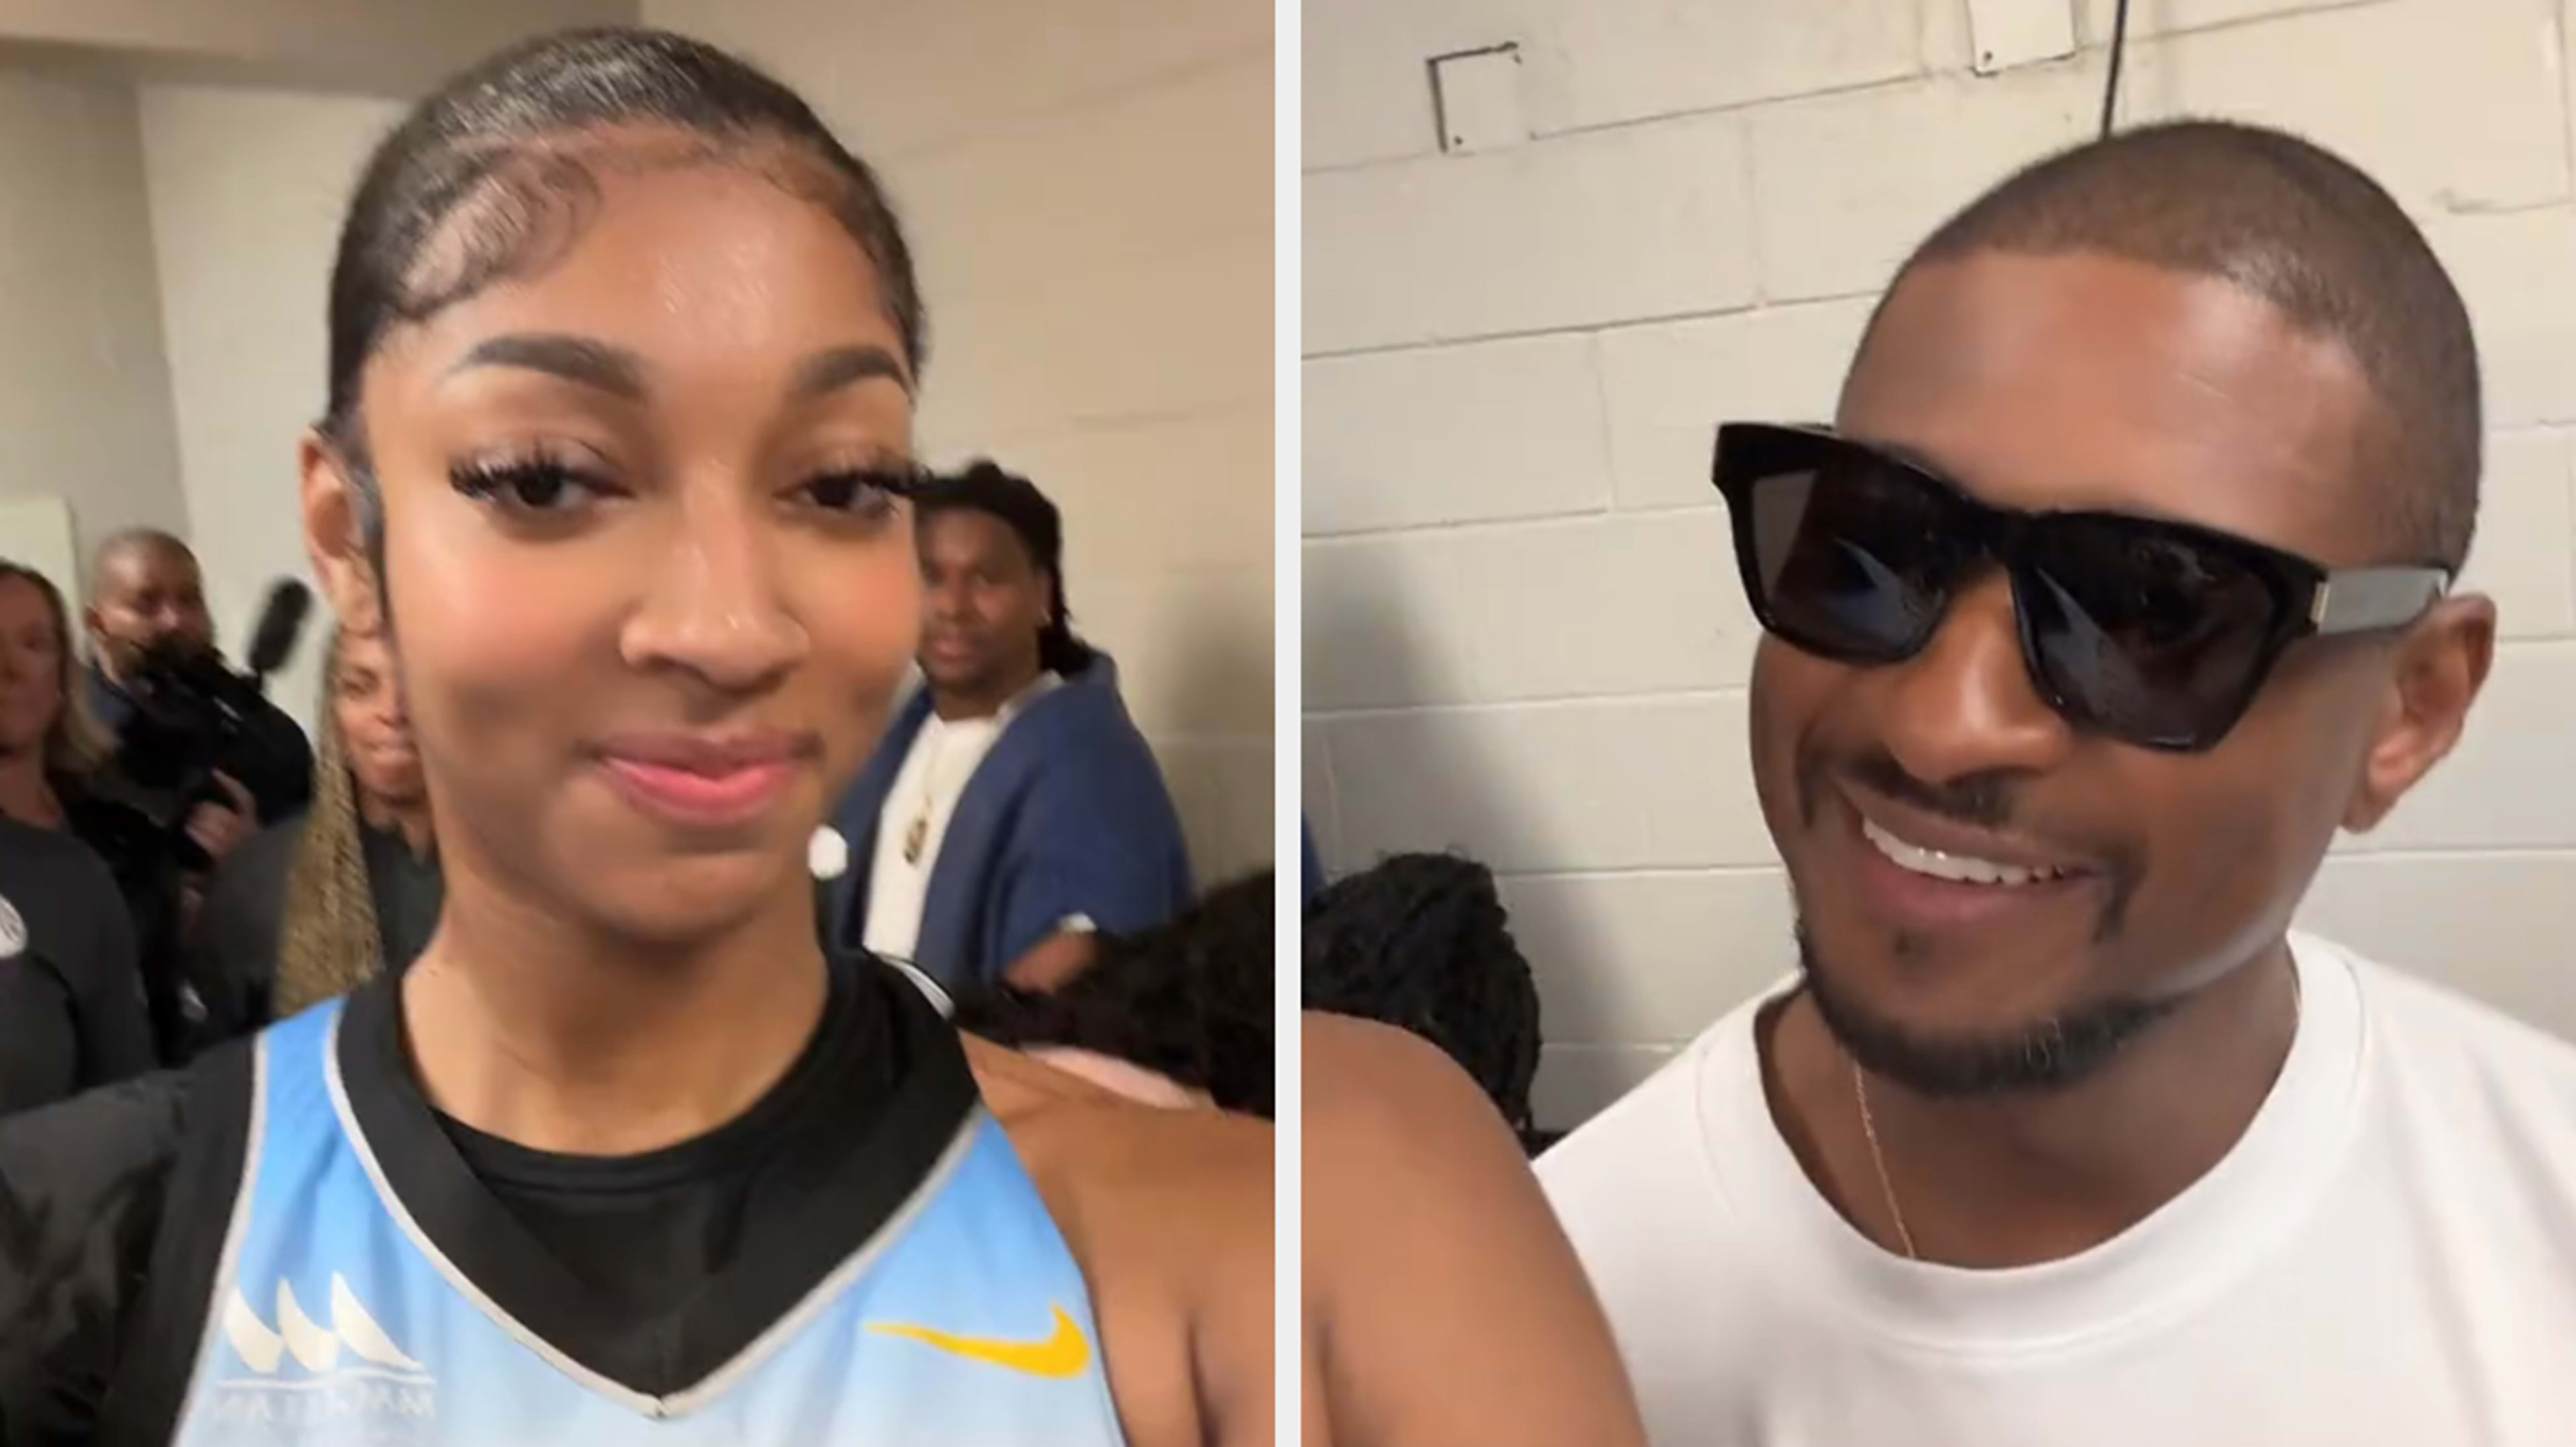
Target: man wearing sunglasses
[(2120, 584)]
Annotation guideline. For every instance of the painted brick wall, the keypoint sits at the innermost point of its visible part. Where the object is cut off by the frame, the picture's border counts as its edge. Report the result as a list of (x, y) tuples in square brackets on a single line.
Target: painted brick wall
[(1523, 636)]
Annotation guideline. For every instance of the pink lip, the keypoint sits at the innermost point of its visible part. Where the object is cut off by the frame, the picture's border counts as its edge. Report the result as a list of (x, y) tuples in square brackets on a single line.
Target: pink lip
[(706, 800), (704, 782)]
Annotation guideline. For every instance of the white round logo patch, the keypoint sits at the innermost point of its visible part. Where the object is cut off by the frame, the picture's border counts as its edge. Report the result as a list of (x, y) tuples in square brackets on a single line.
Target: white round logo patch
[(13, 931)]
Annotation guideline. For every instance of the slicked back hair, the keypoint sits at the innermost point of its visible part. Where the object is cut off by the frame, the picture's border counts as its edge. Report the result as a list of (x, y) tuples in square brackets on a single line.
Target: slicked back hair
[(481, 183)]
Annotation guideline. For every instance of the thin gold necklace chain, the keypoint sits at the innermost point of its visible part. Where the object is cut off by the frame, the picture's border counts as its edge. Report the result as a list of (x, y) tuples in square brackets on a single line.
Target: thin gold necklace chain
[(1878, 1157)]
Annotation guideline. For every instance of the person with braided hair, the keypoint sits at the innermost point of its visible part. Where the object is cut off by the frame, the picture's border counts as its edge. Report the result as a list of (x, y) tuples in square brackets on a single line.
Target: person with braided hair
[(1421, 942), (1442, 1302), (1177, 1015), (311, 908)]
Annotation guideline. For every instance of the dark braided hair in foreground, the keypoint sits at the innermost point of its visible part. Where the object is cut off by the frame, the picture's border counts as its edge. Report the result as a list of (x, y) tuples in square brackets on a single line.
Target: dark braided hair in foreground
[(1190, 1001), (1421, 942)]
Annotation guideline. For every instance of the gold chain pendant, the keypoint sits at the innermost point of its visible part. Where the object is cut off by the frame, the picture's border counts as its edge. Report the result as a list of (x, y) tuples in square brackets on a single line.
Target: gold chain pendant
[(915, 837)]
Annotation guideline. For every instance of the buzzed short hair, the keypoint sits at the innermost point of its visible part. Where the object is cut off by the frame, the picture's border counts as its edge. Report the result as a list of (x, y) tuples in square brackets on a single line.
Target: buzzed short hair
[(2305, 230), (127, 543)]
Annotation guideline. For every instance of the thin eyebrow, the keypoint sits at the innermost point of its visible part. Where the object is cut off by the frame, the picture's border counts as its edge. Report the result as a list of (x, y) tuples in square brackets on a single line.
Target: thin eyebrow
[(611, 369), (830, 371)]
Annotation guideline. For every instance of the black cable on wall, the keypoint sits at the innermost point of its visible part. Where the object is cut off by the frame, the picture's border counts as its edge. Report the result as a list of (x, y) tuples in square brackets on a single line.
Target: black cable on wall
[(2119, 44)]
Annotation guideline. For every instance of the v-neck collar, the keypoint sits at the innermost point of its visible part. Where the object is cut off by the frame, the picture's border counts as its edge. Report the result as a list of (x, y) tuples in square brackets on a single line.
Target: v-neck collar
[(861, 1204)]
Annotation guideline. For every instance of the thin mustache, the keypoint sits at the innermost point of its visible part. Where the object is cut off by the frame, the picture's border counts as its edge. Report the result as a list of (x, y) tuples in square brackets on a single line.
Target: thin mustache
[(1982, 801)]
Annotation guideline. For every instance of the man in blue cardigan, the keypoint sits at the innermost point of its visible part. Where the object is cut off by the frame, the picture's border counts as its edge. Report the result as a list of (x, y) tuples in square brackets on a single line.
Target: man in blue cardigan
[(1012, 809)]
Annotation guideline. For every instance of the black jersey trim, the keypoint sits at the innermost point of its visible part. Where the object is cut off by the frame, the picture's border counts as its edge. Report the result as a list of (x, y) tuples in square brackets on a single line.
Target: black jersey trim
[(828, 1290), (239, 1226), (170, 1340), (749, 1309)]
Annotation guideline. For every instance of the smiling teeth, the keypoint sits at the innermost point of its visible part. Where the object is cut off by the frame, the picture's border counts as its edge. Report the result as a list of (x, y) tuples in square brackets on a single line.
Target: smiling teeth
[(1957, 868)]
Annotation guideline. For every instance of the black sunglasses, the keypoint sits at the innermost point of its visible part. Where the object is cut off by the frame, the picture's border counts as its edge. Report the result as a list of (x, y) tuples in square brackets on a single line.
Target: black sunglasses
[(2157, 633)]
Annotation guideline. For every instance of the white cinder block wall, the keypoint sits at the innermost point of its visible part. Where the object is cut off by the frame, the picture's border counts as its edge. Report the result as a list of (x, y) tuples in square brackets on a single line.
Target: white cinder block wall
[(84, 393), (1523, 634), (1088, 185), (243, 288)]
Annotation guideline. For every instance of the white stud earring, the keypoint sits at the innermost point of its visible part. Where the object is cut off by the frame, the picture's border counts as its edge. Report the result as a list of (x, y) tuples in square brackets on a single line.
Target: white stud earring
[(827, 854)]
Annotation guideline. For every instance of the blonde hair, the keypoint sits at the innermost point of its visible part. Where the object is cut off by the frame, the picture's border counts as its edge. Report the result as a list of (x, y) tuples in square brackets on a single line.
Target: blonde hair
[(328, 939), (75, 746)]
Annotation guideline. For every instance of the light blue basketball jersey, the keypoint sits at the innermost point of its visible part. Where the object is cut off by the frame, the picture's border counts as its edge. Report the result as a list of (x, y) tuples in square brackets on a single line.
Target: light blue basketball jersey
[(963, 1321)]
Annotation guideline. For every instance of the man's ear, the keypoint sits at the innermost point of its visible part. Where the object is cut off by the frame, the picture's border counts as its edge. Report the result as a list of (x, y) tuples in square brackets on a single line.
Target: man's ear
[(2441, 664), (335, 534)]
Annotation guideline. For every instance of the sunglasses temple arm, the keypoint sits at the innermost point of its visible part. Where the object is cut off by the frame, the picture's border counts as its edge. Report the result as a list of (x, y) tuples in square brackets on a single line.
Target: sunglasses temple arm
[(2362, 599)]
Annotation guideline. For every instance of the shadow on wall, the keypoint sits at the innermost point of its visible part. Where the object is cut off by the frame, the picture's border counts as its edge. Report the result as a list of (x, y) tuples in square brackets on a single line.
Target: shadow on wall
[(1203, 721)]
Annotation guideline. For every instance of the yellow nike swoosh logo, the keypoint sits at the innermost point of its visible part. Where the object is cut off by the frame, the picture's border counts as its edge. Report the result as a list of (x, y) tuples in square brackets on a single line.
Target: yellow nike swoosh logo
[(1059, 1356)]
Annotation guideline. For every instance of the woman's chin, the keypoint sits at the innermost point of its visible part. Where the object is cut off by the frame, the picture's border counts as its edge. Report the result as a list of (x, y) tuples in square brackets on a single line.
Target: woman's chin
[(682, 901)]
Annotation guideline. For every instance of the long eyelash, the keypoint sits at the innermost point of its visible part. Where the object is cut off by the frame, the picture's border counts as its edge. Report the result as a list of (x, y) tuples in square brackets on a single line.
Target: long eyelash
[(903, 479), (886, 484), (485, 476)]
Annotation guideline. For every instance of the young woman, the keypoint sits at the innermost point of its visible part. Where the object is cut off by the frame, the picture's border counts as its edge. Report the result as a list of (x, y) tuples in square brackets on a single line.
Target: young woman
[(624, 351), (71, 995)]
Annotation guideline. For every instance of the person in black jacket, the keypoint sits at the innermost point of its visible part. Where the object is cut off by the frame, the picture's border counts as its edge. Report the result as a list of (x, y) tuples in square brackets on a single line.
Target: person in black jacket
[(147, 595), (55, 776), (71, 999), (277, 931)]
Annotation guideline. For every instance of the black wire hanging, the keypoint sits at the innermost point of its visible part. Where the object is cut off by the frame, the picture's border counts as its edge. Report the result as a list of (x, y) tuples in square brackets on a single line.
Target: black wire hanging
[(2119, 44)]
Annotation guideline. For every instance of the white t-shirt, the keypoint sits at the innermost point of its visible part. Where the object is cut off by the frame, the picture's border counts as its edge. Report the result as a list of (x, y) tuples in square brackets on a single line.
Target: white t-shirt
[(943, 757), (2387, 1258)]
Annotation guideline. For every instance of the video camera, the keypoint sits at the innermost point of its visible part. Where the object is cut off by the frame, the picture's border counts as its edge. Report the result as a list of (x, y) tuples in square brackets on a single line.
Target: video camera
[(194, 717)]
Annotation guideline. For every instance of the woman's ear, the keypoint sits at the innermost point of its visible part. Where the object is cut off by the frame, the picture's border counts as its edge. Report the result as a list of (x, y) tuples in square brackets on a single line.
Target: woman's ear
[(337, 514)]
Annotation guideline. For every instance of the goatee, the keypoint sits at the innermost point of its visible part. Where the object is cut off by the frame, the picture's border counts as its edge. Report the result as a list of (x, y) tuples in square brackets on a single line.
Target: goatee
[(2053, 1054)]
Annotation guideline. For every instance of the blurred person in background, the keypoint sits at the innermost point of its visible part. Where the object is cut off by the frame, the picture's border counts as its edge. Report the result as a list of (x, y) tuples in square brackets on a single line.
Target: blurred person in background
[(1422, 942), (314, 906), (1442, 1303), (1178, 1015), (148, 599), (71, 989), (71, 995), (55, 774), (1012, 809)]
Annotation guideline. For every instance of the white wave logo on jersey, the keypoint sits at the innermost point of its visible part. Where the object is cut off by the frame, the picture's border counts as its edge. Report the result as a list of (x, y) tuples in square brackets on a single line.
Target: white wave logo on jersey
[(310, 1382), (314, 1347)]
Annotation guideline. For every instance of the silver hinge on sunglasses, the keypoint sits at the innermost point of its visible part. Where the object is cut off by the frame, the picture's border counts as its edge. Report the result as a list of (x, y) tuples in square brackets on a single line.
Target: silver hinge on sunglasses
[(2368, 598)]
